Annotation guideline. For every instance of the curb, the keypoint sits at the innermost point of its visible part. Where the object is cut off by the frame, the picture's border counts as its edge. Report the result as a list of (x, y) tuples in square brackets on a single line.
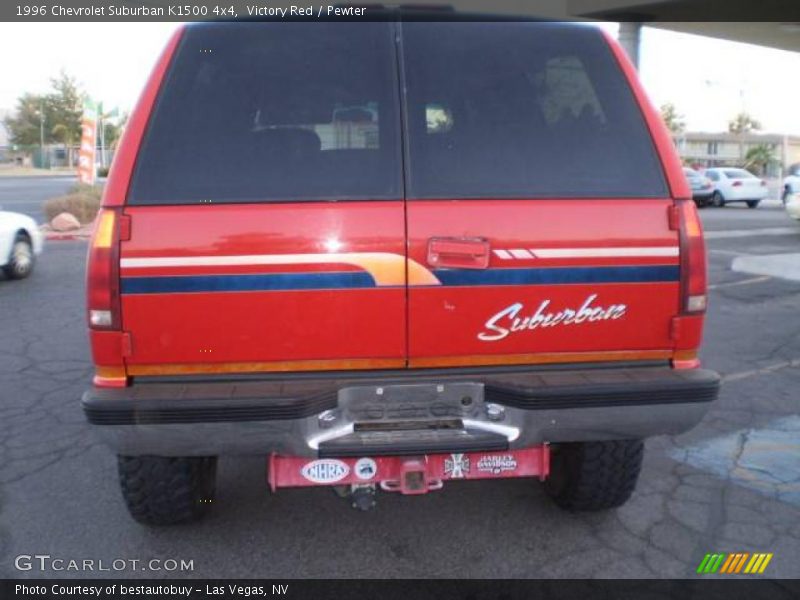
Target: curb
[(84, 233)]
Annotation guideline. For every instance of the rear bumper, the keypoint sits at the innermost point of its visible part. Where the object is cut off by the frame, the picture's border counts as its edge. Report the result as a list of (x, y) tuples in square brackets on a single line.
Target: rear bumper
[(413, 414)]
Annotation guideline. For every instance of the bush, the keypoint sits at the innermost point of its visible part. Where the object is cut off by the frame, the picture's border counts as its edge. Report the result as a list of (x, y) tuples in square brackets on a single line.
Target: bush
[(83, 204), (93, 191)]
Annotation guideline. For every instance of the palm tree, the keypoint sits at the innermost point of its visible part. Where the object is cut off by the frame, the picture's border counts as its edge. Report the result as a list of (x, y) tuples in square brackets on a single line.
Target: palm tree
[(759, 158), (672, 119), (742, 124)]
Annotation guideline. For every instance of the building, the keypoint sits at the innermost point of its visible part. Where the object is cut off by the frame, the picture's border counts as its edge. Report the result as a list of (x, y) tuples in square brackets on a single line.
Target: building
[(730, 149)]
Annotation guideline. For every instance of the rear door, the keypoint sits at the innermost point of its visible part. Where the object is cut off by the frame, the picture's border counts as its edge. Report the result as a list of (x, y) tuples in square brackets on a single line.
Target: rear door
[(535, 197), (266, 212)]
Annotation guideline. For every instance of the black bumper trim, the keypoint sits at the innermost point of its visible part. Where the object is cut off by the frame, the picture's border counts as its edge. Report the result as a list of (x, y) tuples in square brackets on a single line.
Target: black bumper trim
[(637, 393), (99, 410)]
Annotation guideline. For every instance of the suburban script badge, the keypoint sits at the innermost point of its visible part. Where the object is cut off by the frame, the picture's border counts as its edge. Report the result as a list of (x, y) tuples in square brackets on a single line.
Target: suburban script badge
[(512, 320)]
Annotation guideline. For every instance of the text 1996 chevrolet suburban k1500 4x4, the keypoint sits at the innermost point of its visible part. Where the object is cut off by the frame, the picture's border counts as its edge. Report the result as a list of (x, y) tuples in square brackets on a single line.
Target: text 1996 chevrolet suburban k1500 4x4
[(390, 254)]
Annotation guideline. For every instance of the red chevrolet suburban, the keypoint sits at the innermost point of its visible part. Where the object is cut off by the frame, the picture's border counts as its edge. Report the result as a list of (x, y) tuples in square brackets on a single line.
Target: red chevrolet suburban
[(391, 254)]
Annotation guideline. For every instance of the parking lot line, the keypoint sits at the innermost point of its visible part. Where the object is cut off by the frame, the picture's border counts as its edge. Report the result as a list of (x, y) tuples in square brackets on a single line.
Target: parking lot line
[(740, 282)]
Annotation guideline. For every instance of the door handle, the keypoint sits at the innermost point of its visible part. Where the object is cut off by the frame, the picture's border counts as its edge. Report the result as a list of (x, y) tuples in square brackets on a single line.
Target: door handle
[(458, 253)]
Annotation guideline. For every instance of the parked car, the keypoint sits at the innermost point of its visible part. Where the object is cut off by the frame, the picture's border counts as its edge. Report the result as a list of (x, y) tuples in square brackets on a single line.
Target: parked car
[(702, 187), (792, 204), (791, 184), (400, 305), (20, 243), (736, 185)]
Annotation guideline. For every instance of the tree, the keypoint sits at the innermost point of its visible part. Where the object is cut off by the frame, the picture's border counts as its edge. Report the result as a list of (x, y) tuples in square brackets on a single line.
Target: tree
[(672, 119), (743, 123), (24, 127), (61, 108), (114, 130), (759, 158)]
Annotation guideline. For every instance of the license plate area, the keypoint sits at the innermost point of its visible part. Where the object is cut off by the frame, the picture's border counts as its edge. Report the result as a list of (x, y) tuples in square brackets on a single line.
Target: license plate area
[(410, 405)]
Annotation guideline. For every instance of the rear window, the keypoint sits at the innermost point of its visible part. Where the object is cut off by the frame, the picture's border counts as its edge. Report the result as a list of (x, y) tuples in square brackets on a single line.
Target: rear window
[(274, 111), (522, 110), (738, 174)]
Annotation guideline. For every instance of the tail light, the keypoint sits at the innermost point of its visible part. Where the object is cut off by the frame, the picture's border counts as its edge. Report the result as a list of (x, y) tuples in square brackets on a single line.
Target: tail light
[(102, 271), (737, 184), (693, 259)]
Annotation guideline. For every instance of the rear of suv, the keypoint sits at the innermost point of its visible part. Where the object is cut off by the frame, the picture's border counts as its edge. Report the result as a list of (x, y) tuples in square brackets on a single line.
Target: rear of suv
[(392, 254)]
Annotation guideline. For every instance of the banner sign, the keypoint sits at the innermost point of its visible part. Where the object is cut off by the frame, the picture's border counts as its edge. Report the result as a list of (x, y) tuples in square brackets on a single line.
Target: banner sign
[(87, 154)]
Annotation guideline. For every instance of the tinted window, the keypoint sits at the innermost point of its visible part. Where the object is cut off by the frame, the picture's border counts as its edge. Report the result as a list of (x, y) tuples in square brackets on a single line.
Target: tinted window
[(527, 110), (274, 111), (712, 175), (738, 174)]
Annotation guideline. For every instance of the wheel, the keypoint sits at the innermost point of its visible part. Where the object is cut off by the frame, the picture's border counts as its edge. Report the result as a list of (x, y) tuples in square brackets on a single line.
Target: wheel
[(163, 490), (752, 203), (21, 259), (786, 193), (594, 476), (717, 200)]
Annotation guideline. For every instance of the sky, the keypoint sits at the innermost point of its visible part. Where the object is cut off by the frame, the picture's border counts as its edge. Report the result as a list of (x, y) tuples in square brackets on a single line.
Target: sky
[(708, 80)]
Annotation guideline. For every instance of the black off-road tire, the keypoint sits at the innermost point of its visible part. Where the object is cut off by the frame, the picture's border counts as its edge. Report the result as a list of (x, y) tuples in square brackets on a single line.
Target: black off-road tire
[(594, 476), (164, 490)]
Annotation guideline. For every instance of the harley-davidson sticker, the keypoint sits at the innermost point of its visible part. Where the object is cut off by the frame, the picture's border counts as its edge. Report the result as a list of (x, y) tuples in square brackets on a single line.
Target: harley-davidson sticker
[(496, 464), (457, 466), (326, 470)]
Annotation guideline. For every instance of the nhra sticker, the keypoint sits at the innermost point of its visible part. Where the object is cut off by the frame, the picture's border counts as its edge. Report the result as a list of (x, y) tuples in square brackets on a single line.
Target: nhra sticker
[(457, 466), (327, 470), (497, 464), (365, 468)]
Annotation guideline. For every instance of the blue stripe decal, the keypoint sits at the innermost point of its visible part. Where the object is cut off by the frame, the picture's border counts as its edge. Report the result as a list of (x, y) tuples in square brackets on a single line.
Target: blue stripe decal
[(246, 283), (556, 275)]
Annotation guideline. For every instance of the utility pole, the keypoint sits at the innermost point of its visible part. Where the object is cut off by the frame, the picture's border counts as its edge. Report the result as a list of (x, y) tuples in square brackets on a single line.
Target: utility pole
[(41, 134), (630, 33)]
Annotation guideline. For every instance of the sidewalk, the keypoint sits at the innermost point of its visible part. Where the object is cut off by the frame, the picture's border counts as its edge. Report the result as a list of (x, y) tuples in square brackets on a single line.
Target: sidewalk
[(14, 171)]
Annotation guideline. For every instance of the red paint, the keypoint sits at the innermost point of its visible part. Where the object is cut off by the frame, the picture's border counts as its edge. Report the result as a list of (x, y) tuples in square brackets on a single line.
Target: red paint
[(393, 472), (265, 326), (400, 323)]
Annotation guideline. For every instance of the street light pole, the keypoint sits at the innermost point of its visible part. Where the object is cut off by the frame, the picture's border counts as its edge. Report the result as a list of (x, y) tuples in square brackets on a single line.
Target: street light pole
[(41, 134)]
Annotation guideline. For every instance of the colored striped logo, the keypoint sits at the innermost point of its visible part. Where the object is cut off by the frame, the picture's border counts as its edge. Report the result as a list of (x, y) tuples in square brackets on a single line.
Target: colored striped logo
[(737, 562), (375, 270)]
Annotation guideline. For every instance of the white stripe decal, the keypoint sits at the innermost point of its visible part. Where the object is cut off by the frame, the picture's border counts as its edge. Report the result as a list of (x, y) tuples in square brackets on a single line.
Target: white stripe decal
[(520, 253), (621, 252), (604, 252)]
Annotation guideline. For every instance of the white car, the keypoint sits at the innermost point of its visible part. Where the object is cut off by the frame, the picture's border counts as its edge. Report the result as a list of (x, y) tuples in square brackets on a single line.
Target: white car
[(792, 203), (791, 184), (20, 243), (736, 185)]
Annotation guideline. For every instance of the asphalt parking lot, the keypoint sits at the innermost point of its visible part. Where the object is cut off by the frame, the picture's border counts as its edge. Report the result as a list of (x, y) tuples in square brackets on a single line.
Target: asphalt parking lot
[(730, 485)]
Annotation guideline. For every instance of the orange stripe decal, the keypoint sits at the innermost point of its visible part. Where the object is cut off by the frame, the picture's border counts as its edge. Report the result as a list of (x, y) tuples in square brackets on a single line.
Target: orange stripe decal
[(268, 367), (540, 358)]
